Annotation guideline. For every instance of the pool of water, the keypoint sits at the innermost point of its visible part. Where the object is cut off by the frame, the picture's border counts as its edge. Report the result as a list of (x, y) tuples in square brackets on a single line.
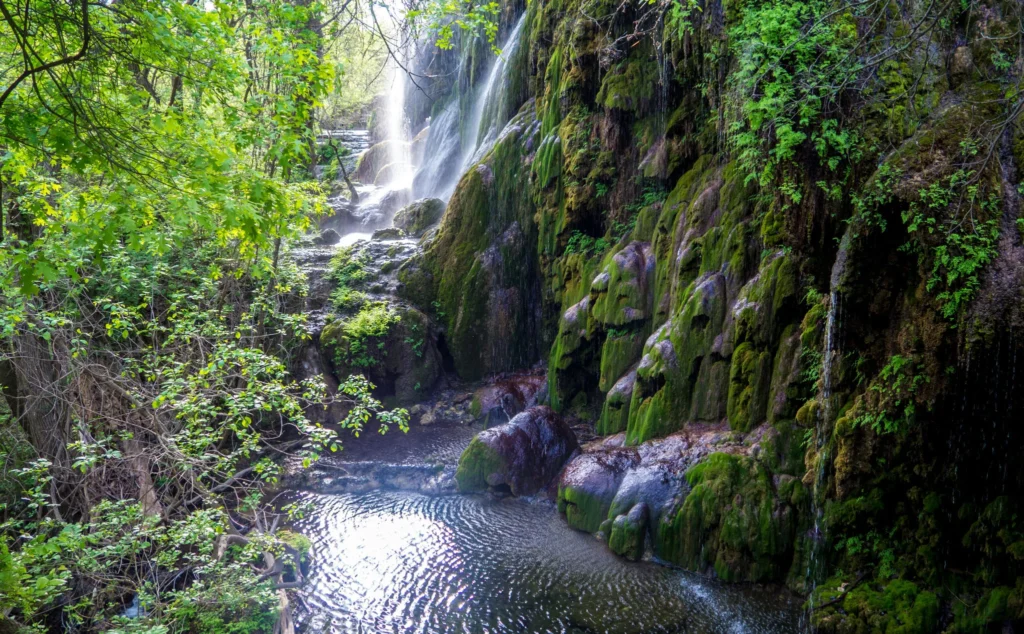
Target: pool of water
[(401, 562)]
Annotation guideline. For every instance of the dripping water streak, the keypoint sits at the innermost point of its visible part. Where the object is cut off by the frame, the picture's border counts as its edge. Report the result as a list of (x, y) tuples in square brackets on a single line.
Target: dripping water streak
[(816, 561)]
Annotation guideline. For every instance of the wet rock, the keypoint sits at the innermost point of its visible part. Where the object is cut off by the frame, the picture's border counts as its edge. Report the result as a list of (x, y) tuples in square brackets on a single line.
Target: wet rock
[(524, 455), (589, 484), (393, 201), (373, 160), (699, 497), (485, 265), (419, 216), (497, 403), (327, 237), (388, 234), (629, 532)]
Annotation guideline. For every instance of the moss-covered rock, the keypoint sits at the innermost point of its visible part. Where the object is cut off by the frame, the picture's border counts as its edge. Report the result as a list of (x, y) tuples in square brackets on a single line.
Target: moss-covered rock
[(483, 262), (615, 411), (415, 218), (736, 520), (523, 455), (587, 487), (629, 533), (394, 346)]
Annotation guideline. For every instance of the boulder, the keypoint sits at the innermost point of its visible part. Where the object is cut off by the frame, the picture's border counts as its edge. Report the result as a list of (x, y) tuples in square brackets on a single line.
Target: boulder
[(497, 403), (327, 237), (524, 455), (390, 233), (393, 201), (416, 218)]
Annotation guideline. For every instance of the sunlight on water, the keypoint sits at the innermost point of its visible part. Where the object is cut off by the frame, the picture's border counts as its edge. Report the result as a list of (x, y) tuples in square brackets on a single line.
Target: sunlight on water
[(349, 239), (403, 562)]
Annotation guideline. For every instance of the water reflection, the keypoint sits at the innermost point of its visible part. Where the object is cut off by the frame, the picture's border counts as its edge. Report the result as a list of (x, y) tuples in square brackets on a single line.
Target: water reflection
[(406, 563)]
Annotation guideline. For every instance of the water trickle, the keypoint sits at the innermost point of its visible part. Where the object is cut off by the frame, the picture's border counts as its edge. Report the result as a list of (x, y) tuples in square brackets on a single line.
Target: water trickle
[(831, 353)]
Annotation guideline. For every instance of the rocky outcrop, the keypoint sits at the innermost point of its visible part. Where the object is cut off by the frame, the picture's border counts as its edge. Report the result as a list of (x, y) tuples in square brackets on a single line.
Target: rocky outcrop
[(501, 399), (829, 298), (523, 456), (416, 218), (483, 262), (700, 498)]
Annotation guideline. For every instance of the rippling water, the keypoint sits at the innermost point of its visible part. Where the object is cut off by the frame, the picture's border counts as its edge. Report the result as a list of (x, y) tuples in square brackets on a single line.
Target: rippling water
[(407, 563)]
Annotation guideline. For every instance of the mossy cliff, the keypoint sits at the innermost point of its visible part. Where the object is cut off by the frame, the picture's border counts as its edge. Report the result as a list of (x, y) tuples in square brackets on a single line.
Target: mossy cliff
[(807, 236)]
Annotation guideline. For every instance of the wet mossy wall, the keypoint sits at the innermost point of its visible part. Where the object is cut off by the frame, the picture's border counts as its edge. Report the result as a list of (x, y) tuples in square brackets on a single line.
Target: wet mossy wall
[(666, 283)]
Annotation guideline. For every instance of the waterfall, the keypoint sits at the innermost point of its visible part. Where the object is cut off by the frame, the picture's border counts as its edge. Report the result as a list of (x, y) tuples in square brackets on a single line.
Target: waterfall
[(490, 111), (831, 354), (452, 153), (397, 130)]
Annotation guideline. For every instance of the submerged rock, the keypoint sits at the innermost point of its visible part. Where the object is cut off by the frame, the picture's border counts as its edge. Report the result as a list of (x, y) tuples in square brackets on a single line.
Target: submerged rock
[(524, 454)]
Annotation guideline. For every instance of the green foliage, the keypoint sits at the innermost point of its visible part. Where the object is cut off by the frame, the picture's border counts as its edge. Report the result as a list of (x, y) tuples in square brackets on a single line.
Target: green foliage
[(442, 19), (793, 61), (893, 409), (348, 270), (119, 538), (362, 339), (148, 160), (954, 210), (580, 242)]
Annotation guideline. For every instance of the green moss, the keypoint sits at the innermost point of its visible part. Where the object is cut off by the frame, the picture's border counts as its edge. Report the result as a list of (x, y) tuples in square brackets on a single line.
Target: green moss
[(489, 215), (735, 521), (679, 379), (767, 302), (627, 537), (476, 463), (620, 293), (615, 412), (990, 612), (749, 378), (417, 217), (783, 448), (618, 354), (582, 511), (893, 607), (629, 83)]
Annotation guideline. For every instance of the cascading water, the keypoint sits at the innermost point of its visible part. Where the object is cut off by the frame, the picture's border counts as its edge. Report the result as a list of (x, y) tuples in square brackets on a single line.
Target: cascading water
[(451, 143), (490, 112), (400, 169)]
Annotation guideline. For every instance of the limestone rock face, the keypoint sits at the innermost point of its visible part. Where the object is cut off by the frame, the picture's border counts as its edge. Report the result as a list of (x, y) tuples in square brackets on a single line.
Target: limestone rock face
[(524, 455), (697, 498)]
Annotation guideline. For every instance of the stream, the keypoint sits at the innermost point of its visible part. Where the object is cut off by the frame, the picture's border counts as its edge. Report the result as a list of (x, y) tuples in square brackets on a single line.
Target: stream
[(390, 560), (393, 561)]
